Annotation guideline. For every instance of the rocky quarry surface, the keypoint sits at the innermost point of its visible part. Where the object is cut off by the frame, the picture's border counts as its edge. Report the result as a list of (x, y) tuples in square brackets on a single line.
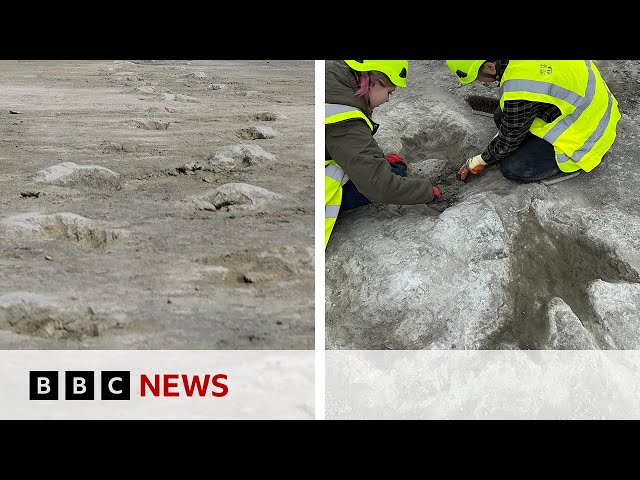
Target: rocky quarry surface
[(494, 264)]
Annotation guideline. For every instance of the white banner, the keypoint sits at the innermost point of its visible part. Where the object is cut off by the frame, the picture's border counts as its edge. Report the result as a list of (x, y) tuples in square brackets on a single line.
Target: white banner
[(482, 384), (157, 384)]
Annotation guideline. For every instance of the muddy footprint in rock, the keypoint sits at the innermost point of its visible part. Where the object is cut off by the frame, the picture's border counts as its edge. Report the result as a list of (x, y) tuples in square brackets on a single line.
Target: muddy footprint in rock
[(449, 187)]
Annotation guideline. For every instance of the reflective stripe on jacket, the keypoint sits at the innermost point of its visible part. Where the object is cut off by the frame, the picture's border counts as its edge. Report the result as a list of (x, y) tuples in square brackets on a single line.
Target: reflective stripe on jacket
[(586, 128), (334, 176)]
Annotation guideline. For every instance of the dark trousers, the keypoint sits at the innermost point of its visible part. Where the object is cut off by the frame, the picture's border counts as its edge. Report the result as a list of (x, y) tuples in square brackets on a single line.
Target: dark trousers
[(352, 198), (533, 161)]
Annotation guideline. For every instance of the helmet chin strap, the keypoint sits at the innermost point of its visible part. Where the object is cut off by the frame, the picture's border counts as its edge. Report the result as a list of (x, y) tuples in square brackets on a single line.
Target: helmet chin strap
[(495, 77), (494, 84)]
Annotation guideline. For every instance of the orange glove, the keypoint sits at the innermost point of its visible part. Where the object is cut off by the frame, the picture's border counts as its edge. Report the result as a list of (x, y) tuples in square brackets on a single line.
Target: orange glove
[(474, 165)]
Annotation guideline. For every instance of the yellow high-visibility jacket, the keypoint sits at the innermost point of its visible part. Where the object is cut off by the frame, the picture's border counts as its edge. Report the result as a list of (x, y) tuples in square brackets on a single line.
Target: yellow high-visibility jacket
[(586, 129), (334, 176)]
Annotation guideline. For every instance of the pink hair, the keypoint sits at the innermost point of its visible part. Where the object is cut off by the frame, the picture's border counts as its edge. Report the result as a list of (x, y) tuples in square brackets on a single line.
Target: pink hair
[(363, 81)]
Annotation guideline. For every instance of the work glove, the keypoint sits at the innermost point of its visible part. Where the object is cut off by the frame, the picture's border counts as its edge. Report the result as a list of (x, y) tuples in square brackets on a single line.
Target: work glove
[(436, 192), (474, 165), (397, 160)]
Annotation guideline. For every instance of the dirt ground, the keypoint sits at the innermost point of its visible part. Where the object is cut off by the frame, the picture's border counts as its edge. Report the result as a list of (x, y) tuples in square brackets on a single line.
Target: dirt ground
[(157, 204)]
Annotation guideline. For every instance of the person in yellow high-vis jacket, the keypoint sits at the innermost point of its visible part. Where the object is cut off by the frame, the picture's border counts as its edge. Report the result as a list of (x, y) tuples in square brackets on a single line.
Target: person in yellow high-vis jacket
[(555, 119), (357, 172)]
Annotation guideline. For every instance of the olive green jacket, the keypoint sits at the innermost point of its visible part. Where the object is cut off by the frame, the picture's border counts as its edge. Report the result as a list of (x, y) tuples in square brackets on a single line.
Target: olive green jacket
[(352, 146)]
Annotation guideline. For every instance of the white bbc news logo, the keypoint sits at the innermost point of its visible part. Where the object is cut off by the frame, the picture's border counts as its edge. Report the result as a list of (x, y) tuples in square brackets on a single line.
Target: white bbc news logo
[(116, 385), (79, 385)]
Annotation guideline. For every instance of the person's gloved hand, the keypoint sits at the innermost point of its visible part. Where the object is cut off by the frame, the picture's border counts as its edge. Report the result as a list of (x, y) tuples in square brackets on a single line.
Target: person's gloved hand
[(436, 192), (397, 160), (474, 165)]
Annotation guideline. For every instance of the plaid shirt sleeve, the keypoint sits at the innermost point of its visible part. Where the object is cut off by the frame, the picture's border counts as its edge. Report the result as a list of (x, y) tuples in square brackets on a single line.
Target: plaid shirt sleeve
[(518, 115)]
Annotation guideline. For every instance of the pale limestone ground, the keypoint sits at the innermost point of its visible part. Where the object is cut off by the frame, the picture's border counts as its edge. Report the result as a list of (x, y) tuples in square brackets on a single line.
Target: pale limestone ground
[(93, 260)]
